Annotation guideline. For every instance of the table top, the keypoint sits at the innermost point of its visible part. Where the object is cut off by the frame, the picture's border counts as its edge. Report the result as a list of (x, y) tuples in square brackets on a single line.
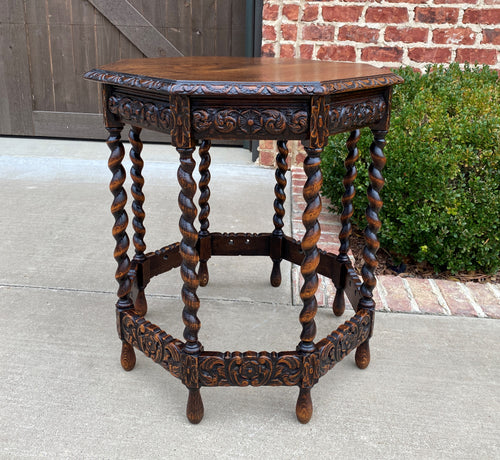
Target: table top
[(215, 76)]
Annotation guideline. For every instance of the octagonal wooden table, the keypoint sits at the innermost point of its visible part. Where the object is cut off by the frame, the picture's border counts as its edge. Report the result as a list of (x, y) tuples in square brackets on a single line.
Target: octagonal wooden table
[(196, 100)]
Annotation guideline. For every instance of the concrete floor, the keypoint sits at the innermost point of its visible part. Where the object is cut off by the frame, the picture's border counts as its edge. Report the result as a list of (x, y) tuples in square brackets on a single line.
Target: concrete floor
[(431, 391)]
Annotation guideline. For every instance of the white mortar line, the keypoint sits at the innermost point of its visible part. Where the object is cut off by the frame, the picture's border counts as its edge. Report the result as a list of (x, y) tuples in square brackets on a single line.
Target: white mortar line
[(382, 294), (470, 298), (494, 289), (413, 303), (439, 297)]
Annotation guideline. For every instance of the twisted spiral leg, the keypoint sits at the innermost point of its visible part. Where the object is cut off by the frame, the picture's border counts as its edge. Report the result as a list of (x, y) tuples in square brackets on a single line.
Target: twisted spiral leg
[(188, 250), (347, 211), (279, 210), (204, 206), (371, 240), (310, 262), (124, 302), (140, 305)]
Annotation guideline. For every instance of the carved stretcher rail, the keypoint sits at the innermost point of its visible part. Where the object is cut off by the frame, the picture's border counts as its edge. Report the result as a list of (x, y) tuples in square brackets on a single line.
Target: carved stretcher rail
[(213, 368), (237, 244)]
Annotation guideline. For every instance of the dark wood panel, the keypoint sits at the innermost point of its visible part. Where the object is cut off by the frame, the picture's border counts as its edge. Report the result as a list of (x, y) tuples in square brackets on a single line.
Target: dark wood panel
[(155, 11), (63, 73), (15, 91), (41, 67), (84, 44), (136, 28), (11, 12), (56, 41)]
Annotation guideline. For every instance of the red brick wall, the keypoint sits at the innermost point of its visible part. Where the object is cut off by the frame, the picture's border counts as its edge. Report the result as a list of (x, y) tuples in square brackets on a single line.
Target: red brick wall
[(382, 33)]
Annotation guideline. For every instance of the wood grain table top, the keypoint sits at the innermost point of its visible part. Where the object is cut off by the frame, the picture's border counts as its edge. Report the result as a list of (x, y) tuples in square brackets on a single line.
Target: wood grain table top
[(215, 76)]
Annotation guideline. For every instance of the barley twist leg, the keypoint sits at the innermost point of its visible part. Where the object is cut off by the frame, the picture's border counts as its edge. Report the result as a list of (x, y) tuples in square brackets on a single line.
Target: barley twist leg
[(371, 241), (189, 254), (311, 259), (345, 218), (124, 302), (279, 209), (188, 250), (140, 304), (204, 206)]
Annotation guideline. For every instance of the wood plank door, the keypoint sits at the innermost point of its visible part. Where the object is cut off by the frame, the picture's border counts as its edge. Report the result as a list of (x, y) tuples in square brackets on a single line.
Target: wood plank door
[(46, 46)]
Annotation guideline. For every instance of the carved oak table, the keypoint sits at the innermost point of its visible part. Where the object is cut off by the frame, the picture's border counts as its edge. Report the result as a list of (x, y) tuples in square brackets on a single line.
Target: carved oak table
[(198, 99)]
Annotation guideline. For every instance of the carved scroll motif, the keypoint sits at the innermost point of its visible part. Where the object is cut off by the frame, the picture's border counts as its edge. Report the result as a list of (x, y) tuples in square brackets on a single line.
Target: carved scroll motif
[(154, 115), (209, 121), (343, 340), (250, 368), (156, 344), (356, 115)]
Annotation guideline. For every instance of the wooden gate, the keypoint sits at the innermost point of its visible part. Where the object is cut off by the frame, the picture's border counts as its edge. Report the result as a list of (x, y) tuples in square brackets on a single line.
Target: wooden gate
[(46, 46)]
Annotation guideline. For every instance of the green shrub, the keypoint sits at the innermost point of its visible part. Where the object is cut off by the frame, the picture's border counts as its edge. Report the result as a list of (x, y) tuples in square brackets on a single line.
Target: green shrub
[(442, 191)]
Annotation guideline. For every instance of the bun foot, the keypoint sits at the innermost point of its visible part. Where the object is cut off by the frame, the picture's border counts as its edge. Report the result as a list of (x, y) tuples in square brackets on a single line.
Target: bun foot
[(362, 356), (127, 358), (141, 304), (276, 274), (339, 303), (194, 410), (304, 408), (203, 273)]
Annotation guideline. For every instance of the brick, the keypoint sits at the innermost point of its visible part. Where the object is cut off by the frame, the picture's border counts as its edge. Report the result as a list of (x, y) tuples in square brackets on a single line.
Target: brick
[(300, 157), (268, 50), (314, 32), (310, 13), (342, 13), (336, 53), (330, 227), (445, 2), (397, 298), (386, 15), (491, 36), (411, 1), (454, 297), (328, 246), (266, 158), (424, 296), (291, 12), (458, 36), (484, 296), (406, 34), (429, 55), (382, 54), (436, 15), (266, 145), (359, 34), (483, 16), (481, 56), (288, 32), (306, 51), (268, 33), (270, 12), (287, 51)]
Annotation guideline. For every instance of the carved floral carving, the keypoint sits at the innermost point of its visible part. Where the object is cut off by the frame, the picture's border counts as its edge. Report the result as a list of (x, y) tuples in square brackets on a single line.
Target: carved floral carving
[(153, 342), (337, 345), (249, 121), (348, 116), (250, 368), (153, 115)]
